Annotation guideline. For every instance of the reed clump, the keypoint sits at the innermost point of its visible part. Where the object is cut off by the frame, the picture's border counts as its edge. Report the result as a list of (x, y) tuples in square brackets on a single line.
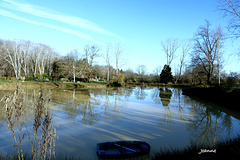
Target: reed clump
[(42, 138)]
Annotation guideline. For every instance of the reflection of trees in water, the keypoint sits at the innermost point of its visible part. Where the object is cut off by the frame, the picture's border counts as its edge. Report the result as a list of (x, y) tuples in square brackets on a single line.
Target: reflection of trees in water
[(165, 94), (86, 103), (42, 139), (114, 101), (207, 124), (140, 94), (155, 95), (179, 103), (79, 103)]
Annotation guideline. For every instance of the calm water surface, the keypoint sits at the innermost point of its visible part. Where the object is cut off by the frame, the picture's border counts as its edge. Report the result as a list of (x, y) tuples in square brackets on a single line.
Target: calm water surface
[(74, 121)]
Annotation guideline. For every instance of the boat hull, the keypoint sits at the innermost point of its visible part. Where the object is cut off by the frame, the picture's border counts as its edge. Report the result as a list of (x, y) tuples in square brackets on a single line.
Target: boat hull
[(121, 149)]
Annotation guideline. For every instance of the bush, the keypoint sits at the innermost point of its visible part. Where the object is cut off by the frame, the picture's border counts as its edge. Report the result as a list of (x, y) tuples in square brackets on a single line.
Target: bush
[(45, 75), (31, 78), (101, 80), (38, 75), (231, 80), (42, 77), (121, 78)]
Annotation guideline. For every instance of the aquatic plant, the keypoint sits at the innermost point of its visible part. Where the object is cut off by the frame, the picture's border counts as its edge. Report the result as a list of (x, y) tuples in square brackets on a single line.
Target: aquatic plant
[(44, 131), (14, 107)]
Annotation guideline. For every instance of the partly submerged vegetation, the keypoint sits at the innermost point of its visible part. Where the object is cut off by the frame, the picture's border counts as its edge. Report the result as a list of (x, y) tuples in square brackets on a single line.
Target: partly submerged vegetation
[(42, 137)]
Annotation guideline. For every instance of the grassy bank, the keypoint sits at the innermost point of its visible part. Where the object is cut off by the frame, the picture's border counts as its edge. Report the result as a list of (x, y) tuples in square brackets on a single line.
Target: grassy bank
[(229, 150), (11, 85), (159, 85)]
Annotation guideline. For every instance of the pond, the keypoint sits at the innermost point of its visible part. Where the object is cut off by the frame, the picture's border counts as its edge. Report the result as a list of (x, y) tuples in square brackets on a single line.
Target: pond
[(72, 122)]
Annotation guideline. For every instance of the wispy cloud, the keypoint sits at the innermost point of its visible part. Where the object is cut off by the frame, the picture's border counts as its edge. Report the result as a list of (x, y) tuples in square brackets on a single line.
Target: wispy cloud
[(46, 13), (66, 30)]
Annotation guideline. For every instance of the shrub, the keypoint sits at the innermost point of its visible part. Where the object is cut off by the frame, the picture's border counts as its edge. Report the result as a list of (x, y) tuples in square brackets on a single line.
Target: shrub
[(121, 78), (31, 78), (231, 80), (38, 75), (45, 75)]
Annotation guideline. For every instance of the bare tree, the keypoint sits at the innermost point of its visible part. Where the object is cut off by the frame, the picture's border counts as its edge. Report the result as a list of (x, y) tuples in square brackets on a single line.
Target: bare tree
[(91, 53), (141, 71), (72, 59), (25, 50), (206, 46), (107, 59), (185, 46), (170, 46), (231, 9), (117, 55), (157, 70), (11, 54)]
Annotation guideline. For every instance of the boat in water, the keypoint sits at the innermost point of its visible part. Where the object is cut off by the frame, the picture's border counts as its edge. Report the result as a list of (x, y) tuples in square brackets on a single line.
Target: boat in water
[(120, 149)]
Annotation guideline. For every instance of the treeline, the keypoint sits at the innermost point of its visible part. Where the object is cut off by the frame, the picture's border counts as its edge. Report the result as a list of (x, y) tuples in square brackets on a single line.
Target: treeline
[(27, 60), (21, 58)]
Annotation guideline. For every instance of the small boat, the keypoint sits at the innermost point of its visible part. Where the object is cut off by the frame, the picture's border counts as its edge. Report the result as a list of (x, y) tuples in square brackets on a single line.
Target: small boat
[(119, 149)]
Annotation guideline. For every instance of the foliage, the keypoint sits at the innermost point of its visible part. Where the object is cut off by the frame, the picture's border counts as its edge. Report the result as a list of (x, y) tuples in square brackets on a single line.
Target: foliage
[(30, 78), (42, 77), (121, 78), (231, 80), (166, 75)]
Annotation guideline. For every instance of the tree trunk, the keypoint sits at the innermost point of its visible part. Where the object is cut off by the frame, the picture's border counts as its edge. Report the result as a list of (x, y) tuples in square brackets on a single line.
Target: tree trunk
[(108, 71), (209, 78)]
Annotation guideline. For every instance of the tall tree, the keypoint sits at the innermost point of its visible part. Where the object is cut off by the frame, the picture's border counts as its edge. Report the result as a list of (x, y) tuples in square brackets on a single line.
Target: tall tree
[(185, 46), (170, 46), (141, 71), (91, 53), (166, 74), (107, 59), (73, 58), (207, 44), (11, 53), (117, 55), (231, 9)]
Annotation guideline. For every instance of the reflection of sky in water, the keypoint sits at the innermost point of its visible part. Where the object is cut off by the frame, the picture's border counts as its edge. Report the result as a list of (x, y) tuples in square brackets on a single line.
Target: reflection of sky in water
[(161, 117)]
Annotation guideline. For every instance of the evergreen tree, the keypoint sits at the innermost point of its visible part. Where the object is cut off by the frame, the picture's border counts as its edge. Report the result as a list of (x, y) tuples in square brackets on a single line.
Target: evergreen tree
[(166, 74)]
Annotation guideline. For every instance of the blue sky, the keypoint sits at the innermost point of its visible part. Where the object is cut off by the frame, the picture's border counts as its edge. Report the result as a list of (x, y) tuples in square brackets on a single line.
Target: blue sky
[(139, 25)]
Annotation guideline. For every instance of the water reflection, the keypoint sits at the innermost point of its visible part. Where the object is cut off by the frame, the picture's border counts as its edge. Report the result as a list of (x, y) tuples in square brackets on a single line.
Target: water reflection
[(140, 93), (208, 124), (165, 94), (156, 115)]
